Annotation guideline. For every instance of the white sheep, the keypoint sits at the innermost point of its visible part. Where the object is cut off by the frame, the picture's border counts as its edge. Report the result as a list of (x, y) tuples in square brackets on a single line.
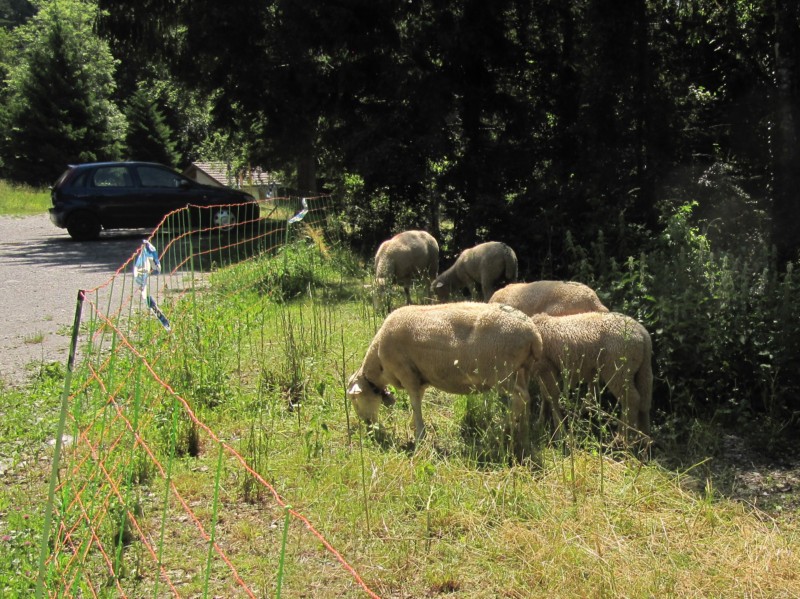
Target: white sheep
[(613, 347), (406, 255), (556, 298), (481, 266), (458, 348)]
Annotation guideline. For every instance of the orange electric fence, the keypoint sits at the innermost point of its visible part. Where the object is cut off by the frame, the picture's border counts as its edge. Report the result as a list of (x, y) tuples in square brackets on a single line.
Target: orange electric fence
[(125, 517)]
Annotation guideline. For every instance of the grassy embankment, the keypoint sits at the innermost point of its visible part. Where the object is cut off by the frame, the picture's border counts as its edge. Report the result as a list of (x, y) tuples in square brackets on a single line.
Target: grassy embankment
[(451, 519)]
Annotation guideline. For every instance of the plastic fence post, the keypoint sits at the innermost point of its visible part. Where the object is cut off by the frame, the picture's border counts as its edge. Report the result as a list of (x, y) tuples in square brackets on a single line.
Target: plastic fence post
[(48, 513), (173, 433), (214, 515), (286, 522)]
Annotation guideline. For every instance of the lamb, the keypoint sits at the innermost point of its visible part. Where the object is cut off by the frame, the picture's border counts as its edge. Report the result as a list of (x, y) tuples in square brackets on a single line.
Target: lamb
[(404, 256), (483, 265), (611, 345), (458, 348), (556, 298)]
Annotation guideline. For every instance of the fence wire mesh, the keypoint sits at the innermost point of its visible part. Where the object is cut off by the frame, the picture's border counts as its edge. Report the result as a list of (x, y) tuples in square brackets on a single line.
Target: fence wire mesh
[(131, 513)]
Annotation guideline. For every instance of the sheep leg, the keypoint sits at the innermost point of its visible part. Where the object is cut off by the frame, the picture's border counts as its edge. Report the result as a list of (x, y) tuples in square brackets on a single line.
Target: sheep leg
[(550, 392), (415, 397), (644, 419), (520, 400), (645, 403), (623, 389), (487, 287), (408, 295), (632, 415)]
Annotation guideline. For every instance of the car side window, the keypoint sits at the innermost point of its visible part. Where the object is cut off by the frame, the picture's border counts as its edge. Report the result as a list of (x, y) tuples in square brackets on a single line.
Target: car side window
[(156, 177), (111, 176)]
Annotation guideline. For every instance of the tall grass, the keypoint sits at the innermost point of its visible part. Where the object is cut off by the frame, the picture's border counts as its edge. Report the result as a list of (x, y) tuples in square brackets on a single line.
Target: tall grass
[(262, 356), (22, 200)]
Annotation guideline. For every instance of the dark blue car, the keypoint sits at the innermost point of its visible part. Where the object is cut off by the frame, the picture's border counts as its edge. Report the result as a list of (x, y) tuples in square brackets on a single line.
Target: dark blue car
[(127, 195)]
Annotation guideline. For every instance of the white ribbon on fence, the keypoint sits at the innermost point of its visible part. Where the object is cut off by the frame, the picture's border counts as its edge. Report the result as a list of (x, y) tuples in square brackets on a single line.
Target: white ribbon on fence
[(145, 265), (300, 215)]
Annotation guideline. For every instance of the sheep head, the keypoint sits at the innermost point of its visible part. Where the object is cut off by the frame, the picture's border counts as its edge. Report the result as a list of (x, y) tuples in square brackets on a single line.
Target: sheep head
[(440, 290), (367, 397)]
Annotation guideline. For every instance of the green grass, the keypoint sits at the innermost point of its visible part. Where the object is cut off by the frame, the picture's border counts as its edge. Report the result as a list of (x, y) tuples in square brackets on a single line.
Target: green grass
[(27, 424), (261, 356), (22, 200)]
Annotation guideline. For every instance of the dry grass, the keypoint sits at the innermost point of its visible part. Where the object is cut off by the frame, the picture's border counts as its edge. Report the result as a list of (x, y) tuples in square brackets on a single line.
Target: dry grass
[(578, 526)]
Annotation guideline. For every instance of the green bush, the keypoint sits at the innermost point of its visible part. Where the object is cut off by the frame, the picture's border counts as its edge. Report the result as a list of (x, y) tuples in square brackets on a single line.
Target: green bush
[(724, 332)]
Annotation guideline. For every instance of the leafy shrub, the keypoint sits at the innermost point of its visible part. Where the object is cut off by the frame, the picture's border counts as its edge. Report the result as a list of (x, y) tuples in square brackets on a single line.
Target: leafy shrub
[(724, 330)]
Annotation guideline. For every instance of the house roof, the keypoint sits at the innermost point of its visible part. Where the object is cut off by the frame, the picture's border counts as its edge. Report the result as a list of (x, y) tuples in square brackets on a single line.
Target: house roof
[(218, 171), (224, 175)]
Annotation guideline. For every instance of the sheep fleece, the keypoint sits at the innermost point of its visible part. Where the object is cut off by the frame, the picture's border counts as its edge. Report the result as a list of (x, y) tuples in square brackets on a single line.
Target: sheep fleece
[(406, 254), (483, 265), (556, 298), (458, 348), (614, 345)]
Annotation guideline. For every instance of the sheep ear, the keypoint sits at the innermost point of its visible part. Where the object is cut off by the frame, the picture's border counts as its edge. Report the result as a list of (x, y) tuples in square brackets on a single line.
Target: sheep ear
[(438, 284), (354, 390)]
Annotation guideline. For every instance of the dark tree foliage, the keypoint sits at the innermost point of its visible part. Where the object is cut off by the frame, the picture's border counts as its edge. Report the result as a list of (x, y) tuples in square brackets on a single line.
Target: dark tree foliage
[(286, 68), (57, 117), (520, 120), (149, 137), (14, 12)]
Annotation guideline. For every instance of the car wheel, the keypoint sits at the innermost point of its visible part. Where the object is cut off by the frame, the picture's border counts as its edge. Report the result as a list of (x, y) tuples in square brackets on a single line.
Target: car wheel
[(224, 218), (83, 226)]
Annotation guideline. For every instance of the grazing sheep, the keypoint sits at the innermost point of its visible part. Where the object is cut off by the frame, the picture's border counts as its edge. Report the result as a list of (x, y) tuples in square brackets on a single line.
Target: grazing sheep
[(613, 346), (404, 256), (483, 265), (556, 298), (458, 348)]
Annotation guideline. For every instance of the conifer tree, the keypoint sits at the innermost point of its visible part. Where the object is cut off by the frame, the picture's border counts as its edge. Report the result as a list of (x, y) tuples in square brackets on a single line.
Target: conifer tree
[(59, 109), (149, 137)]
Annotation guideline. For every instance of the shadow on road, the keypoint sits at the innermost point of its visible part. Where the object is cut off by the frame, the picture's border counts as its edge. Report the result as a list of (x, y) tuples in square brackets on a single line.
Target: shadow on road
[(104, 255)]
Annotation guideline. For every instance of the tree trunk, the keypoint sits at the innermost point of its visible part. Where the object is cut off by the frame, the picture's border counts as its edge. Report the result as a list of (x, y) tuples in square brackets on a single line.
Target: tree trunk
[(307, 167), (786, 155), (643, 209)]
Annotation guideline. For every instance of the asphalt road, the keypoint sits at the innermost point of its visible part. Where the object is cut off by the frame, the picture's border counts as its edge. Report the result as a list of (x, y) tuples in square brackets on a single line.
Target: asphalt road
[(41, 271)]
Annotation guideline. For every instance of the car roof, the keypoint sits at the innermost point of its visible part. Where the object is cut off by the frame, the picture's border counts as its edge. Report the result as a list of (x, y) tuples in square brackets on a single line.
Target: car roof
[(118, 163)]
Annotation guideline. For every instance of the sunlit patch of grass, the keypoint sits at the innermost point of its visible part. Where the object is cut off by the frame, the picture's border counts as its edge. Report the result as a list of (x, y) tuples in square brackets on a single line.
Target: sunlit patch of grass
[(22, 200), (453, 516), (27, 422)]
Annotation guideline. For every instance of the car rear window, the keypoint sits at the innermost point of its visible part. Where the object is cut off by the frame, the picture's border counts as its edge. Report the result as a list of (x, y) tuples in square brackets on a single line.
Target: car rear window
[(111, 176), (63, 177)]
